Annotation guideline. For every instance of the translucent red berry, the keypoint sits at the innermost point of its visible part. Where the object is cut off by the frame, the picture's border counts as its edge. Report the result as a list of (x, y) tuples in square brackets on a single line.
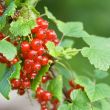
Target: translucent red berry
[(25, 47)]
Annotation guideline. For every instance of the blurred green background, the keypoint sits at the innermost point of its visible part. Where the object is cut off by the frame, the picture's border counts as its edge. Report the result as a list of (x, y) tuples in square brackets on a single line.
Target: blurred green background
[(95, 15)]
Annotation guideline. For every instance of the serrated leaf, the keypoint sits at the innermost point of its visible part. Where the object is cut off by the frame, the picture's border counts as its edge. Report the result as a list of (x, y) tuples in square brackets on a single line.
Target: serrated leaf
[(10, 9), (67, 43), (80, 101), (8, 50), (49, 14), (99, 74), (98, 55), (16, 72), (2, 22), (5, 86), (101, 91), (95, 92), (55, 87), (72, 29), (54, 51), (3, 68), (22, 27), (38, 78)]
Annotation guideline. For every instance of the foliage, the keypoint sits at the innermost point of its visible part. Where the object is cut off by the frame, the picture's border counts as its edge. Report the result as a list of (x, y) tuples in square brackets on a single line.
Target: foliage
[(90, 93)]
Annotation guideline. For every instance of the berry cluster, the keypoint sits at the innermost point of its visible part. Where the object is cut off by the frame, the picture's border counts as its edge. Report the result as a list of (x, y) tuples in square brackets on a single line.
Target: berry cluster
[(33, 55), (43, 97)]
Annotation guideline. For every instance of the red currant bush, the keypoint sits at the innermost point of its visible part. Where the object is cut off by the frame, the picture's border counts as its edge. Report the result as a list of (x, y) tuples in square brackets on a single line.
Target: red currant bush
[(33, 57)]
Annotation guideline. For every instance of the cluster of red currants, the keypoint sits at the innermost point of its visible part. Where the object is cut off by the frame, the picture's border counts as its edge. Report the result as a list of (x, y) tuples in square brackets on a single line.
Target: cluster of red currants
[(34, 56), (44, 97)]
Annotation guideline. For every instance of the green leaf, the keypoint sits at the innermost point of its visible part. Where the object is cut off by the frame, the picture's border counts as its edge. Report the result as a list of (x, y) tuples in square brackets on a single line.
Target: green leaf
[(64, 107), (22, 27), (54, 51), (8, 12), (8, 50), (101, 91), (16, 72), (10, 9), (94, 91), (67, 43), (80, 101), (38, 78), (72, 29), (5, 86), (101, 105), (2, 22), (49, 14), (64, 69), (99, 74), (55, 87), (57, 51), (3, 68), (98, 55)]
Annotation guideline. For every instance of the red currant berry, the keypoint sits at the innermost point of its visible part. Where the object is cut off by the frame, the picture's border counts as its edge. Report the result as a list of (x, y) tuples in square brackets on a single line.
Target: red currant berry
[(41, 50), (35, 30), (44, 60), (44, 108), (26, 84), (33, 75), (28, 66), (56, 41), (39, 20), (25, 47), (1, 9), (15, 83), (44, 79), (32, 54), (36, 43), (36, 66), (42, 23), (47, 96), (41, 34), (14, 61), (21, 91), (38, 59), (51, 35)]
